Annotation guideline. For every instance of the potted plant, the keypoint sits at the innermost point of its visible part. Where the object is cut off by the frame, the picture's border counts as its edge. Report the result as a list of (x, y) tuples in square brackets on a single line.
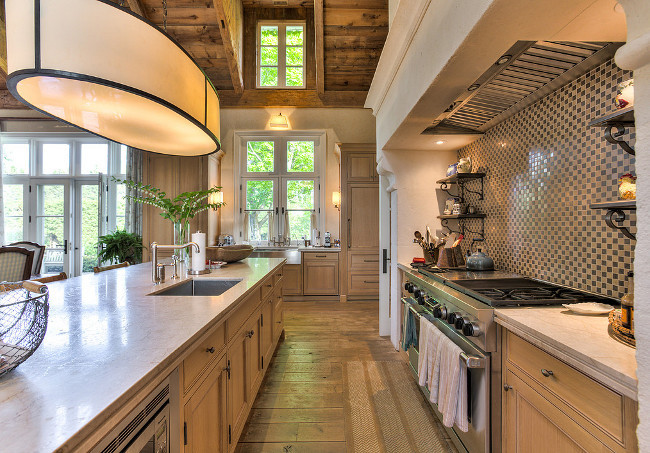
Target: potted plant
[(120, 246), (180, 209)]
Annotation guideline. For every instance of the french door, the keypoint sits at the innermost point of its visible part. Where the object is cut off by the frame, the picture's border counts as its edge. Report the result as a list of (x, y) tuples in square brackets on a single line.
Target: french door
[(50, 224), (89, 223)]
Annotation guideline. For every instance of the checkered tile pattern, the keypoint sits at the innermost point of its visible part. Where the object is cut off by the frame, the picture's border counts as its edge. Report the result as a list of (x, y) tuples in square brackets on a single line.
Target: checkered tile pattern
[(544, 167)]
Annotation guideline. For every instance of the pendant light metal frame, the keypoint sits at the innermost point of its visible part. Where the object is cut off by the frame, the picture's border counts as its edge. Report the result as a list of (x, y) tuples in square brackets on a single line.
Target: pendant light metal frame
[(16, 76)]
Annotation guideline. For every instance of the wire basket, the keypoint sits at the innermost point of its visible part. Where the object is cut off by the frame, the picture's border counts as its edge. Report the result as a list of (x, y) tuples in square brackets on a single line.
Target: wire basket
[(23, 321)]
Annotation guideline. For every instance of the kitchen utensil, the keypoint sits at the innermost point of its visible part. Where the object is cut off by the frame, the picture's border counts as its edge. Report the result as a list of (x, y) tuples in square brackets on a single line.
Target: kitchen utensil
[(451, 238), (429, 235), (447, 258), (471, 210), (459, 261), (589, 308), (479, 261)]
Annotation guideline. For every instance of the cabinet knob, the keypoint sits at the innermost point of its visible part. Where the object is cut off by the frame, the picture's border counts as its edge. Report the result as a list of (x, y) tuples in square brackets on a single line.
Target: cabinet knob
[(507, 387), (210, 350), (250, 334), (547, 373)]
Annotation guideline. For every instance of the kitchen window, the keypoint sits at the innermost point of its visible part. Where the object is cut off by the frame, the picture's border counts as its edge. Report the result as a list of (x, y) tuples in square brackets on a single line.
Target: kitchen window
[(57, 192), (280, 194), (280, 54)]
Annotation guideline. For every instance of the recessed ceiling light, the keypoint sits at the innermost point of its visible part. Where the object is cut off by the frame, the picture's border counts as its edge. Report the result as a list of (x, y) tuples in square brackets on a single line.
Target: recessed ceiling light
[(504, 59), (440, 142), (618, 8), (473, 87)]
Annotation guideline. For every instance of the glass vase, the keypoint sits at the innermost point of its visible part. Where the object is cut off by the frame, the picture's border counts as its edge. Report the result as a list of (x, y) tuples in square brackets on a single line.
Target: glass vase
[(182, 236)]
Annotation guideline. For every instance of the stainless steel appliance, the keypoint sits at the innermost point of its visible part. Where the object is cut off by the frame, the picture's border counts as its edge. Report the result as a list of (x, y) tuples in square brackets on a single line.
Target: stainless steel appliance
[(461, 304), (149, 426)]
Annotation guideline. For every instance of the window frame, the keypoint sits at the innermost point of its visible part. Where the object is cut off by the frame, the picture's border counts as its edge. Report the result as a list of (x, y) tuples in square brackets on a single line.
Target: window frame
[(282, 54), (280, 174)]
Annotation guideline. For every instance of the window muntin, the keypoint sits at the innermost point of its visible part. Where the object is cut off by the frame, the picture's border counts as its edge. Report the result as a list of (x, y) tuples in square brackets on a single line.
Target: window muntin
[(281, 55)]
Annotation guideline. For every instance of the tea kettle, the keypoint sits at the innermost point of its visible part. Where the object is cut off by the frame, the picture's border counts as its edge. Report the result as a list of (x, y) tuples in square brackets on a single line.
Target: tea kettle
[(479, 261)]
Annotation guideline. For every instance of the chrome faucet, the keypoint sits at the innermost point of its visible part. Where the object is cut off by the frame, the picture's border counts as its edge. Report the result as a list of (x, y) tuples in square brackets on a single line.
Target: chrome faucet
[(158, 269)]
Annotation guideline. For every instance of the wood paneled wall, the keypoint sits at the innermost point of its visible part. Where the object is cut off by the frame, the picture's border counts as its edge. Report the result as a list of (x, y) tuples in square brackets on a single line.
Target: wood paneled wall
[(174, 175)]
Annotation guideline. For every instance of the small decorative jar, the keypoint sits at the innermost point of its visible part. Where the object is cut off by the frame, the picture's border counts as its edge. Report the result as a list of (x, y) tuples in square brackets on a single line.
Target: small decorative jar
[(627, 187), (625, 94), (465, 165)]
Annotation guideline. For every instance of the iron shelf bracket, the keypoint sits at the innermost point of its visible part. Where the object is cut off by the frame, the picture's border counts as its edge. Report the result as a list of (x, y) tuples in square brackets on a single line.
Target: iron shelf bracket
[(445, 225), (475, 192), (446, 187), (613, 138), (614, 218)]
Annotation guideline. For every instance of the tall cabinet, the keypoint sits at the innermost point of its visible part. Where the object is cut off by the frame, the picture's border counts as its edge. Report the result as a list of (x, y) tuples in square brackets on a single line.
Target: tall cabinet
[(359, 257)]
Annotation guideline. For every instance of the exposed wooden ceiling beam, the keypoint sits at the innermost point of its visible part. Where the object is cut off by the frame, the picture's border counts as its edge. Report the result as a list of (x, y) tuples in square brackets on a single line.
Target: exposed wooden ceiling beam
[(136, 7), (3, 41), (230, 15), (320, 47), (292, 98)]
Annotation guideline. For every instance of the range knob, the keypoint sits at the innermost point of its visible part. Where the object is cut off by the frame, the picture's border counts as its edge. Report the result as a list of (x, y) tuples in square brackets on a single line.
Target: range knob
[(407, 285), (440, 312), (471, 329), (453, 317), (421, 298), (460, 322), (417, 292)]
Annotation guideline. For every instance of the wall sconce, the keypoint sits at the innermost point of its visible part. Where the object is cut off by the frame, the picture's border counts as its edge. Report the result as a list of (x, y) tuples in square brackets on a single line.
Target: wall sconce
[(279, 122), (216, 197), (336, 199)]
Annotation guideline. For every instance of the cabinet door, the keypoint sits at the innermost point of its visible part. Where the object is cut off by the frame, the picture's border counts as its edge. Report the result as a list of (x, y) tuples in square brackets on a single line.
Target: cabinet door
[(255, 356), (239, 396), (533, 424), (205, 413), (267, 328), (320, 278), (361, 167), (292, 280), (363, 217)]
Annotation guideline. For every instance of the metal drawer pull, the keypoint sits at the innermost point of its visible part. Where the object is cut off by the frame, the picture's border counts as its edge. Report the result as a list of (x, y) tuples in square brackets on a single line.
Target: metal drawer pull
[(507, 387), (250, 334), (210, 350), (547, 373), (370, 261), (321, 256), (472, 361), (370, 281)]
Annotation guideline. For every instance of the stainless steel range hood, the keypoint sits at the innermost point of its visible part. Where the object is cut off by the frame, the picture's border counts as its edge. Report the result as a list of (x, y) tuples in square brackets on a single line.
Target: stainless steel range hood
[(528, 71)]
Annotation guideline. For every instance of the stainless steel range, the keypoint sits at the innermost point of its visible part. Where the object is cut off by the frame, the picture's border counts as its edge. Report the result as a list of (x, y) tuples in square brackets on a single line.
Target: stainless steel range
[(461, 305)]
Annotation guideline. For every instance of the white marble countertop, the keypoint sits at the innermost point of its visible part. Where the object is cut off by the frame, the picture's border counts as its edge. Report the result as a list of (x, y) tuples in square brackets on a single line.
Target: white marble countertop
[(106, 339), (581, 341)]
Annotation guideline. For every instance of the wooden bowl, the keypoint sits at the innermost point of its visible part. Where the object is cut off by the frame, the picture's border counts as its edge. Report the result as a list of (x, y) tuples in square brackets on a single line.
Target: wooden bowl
[(229, 253)]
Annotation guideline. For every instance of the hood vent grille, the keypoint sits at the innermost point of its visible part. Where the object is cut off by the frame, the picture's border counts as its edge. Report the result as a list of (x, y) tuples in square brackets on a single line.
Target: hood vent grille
[(528, 71)]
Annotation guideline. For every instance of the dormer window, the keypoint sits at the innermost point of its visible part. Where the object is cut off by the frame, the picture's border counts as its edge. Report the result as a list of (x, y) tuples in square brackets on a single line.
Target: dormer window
[(281, 54)]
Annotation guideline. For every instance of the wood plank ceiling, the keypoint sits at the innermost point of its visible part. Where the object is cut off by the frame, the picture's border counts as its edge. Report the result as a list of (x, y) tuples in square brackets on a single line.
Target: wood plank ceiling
[(349, 36)]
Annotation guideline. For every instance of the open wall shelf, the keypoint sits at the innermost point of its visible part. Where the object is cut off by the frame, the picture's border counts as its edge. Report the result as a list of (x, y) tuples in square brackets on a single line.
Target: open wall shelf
[(616, 214), (620, 119)]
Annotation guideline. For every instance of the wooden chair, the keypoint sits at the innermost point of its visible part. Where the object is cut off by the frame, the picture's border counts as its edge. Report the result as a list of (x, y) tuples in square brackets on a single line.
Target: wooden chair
[(98, 269), (15, 264), (51, 278), (39, 252)]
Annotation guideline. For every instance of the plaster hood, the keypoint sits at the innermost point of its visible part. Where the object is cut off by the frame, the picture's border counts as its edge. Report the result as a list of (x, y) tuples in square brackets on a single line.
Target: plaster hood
[(524, 74)]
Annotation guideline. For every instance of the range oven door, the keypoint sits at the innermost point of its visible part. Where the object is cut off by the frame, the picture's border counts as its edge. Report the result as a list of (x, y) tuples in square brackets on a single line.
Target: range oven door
[(477, 438)]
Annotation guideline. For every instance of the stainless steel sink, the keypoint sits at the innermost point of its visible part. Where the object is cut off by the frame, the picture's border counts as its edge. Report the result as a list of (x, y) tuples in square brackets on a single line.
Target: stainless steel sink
[(198, 288)]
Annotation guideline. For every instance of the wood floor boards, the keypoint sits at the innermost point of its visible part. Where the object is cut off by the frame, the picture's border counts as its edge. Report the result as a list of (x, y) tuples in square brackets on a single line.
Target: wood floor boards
[(300, 407)]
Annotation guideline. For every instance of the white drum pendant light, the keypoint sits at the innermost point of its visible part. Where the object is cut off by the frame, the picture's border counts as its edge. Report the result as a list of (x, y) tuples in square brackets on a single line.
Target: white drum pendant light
[(106, 70)]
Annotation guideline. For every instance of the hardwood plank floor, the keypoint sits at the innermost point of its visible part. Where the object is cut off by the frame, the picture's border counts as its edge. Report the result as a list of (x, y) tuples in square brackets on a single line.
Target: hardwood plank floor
[(300, 407)]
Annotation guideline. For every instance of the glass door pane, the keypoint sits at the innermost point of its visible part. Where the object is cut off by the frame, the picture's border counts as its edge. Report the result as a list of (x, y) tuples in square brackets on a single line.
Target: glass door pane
[(260, 206), (52, 225), (13, 197), (87, 228)]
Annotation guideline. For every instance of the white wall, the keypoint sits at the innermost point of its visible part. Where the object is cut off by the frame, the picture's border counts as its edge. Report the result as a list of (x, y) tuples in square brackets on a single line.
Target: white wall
[(420, 199), (341, 126)]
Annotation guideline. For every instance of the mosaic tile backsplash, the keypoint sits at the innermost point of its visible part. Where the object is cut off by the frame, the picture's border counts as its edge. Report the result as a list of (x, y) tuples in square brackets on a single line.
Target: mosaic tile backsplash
[(544, 168)]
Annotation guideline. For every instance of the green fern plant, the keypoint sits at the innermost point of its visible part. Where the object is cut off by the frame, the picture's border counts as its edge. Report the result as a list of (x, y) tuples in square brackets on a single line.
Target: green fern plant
[(120, 246)]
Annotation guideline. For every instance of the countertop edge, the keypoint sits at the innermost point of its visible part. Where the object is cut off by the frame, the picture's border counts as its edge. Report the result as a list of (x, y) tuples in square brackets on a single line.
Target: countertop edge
[(152, 379), (610, 377)]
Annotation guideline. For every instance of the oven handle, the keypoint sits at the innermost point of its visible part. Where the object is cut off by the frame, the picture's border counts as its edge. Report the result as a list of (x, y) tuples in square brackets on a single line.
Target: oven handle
[(471, 361)]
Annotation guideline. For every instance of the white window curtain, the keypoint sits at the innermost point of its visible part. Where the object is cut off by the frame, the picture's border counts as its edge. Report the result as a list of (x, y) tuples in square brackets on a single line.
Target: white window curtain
[(133, 210)]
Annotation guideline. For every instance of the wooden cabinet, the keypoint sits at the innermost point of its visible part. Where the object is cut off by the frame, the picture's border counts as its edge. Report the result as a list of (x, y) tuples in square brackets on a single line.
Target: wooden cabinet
[(550, 406), (239, 397), (359, 262), (267, 327), (292, 280), (255, 353), (205, 427), (320, 273), (203, 355)]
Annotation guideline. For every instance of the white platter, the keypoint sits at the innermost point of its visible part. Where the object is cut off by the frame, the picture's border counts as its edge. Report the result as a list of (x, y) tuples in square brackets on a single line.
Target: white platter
[(589, 308)]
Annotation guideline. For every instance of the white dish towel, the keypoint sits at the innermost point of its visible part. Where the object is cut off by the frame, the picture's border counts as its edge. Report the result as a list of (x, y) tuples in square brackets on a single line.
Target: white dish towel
[(426, 329), (452, 385)]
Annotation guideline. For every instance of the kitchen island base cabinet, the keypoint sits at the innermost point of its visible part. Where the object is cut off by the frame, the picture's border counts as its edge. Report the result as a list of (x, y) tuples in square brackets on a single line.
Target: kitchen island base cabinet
[(550, 406), (205, 426)]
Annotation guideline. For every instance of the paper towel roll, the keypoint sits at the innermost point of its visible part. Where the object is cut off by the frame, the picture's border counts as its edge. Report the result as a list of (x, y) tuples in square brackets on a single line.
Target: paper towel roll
[(198, 259)]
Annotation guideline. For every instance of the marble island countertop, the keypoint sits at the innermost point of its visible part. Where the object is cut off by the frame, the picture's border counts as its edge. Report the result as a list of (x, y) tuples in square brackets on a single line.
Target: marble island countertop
[(106, 339), (581, 341)]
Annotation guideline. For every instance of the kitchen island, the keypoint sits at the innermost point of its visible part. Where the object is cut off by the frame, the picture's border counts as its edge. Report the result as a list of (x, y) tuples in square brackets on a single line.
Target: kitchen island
[(109, 343)]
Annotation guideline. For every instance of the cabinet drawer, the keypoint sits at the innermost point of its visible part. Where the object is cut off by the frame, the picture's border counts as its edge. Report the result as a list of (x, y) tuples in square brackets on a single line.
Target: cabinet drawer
[(320, 256), (277, 277), (241, 313), (364, 262), (278, 319), (203, 355), (363, 284), (267, 287), (596, 402)]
